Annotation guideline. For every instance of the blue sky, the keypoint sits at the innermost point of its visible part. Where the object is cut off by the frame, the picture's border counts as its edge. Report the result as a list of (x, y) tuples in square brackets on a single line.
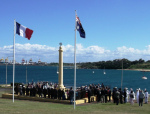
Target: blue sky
[(114, 29)]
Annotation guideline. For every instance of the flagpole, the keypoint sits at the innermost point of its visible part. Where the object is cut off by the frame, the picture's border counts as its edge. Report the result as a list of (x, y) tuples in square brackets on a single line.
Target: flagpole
[(14, 57), (75, 64), (26, 73)]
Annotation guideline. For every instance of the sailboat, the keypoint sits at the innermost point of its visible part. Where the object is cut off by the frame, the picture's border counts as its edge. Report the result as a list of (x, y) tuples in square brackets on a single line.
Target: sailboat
[(104, 71), (57, 71), (144, 77)]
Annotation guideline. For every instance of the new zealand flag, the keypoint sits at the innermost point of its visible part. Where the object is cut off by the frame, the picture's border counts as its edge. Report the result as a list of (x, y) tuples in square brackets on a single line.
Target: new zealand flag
[(79, 27)]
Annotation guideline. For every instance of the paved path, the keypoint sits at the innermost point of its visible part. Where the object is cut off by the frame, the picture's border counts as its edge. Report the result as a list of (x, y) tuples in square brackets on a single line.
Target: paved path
[(5, 89)]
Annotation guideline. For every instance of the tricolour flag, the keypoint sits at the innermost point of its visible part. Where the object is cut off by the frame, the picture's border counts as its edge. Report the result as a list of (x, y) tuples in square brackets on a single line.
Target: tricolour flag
[(79, 27), (23, 31)]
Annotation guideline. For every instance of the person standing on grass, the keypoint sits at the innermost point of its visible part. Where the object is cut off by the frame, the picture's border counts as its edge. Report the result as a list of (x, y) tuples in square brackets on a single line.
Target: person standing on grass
[(128, 96), (109, 94), (71, 94), (131, 97), (141, 97), (146, 96), (103, 95), (117, 96), (125, 95), (137, 96), (89, 94), (113, 95), (106, 94), (121, 94)]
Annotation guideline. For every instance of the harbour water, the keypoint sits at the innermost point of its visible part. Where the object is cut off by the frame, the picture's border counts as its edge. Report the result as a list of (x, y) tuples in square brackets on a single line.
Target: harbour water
[(112, 78)]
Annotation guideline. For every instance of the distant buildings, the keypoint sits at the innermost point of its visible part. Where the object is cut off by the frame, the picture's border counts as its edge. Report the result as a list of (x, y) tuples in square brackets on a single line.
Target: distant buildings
[(23, 62)]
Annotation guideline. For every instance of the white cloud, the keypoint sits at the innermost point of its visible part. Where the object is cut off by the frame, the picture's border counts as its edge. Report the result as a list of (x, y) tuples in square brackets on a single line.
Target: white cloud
[(83, 54)]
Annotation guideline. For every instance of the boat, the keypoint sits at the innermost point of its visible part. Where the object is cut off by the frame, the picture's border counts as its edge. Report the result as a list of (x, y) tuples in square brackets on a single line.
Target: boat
[(144, 77), (104, 71), (93, 71), (57, 71)]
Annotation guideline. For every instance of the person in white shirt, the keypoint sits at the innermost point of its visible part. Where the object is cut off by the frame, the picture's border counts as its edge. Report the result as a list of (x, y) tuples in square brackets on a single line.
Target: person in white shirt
[(128, 96), (137, 96), (146, 96)]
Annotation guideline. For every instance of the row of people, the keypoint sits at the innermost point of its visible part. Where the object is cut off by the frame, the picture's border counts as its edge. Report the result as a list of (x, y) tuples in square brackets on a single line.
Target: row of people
[(103, 93)]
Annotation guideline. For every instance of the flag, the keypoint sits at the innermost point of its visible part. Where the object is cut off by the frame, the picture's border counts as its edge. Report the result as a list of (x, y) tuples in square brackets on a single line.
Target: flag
[(79, 27), (23, 31)]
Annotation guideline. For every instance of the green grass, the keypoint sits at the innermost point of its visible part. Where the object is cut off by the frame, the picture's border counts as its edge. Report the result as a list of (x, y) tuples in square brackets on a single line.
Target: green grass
[(34, 107)]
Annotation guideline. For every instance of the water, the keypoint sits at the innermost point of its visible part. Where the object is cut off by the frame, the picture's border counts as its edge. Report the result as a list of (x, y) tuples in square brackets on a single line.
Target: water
[(112, 78)]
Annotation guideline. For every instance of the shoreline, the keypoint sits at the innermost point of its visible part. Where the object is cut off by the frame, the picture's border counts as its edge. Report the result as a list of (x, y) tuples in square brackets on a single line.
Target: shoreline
[(142, 70)]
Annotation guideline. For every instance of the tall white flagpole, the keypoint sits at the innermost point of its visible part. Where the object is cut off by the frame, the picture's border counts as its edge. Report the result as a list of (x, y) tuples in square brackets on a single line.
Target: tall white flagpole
[(26, 73), (14, 58), (75, 64)]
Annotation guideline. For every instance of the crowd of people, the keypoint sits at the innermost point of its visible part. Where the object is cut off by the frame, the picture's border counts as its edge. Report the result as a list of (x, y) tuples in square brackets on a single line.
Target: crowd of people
[(103, 93), (41, 89), (130, 96)]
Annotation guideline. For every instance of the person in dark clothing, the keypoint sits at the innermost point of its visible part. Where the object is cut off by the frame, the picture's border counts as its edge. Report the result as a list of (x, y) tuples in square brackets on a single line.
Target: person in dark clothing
[(89, 94), (16, 89), (23, 90), (95, 90), (125, 95), (52, 93), (71, 94), (105, 91), (59, 94), (31, 91), (103, 95), (121, 94), (27, 91), (40, 91), (82, 93), (98, 95), (48, 91), (117, 95), (141, 97), (114, 96), (109, 94), (63, 94), (34, 91), (92, 91), (79, 94), (55, 93)]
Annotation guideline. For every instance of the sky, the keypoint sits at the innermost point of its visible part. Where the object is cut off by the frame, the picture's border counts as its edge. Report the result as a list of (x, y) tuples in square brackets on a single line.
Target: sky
[(115, 29)]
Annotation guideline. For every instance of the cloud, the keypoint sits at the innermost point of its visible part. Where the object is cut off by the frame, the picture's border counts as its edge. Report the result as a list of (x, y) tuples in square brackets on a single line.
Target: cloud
[(83, 54)]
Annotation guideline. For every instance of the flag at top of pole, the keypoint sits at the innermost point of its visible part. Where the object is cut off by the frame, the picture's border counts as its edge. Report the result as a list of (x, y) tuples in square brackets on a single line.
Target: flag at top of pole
[(23, 31), (79, 27)]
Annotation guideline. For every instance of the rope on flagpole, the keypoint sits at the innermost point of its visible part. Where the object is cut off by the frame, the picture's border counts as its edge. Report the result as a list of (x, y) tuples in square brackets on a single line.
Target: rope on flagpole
[(75, 64), (14, 58)]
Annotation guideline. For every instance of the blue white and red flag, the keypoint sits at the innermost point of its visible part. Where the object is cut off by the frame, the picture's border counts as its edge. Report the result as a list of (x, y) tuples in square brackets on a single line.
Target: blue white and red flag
[(23, 31)]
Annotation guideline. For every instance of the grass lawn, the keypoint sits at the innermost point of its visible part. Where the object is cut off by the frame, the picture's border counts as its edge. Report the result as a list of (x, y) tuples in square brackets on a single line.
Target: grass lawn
[(34, 107)]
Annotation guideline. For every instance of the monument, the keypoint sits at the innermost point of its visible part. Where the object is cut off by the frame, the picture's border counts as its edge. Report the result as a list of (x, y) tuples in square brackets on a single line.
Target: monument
[(60, 78)]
